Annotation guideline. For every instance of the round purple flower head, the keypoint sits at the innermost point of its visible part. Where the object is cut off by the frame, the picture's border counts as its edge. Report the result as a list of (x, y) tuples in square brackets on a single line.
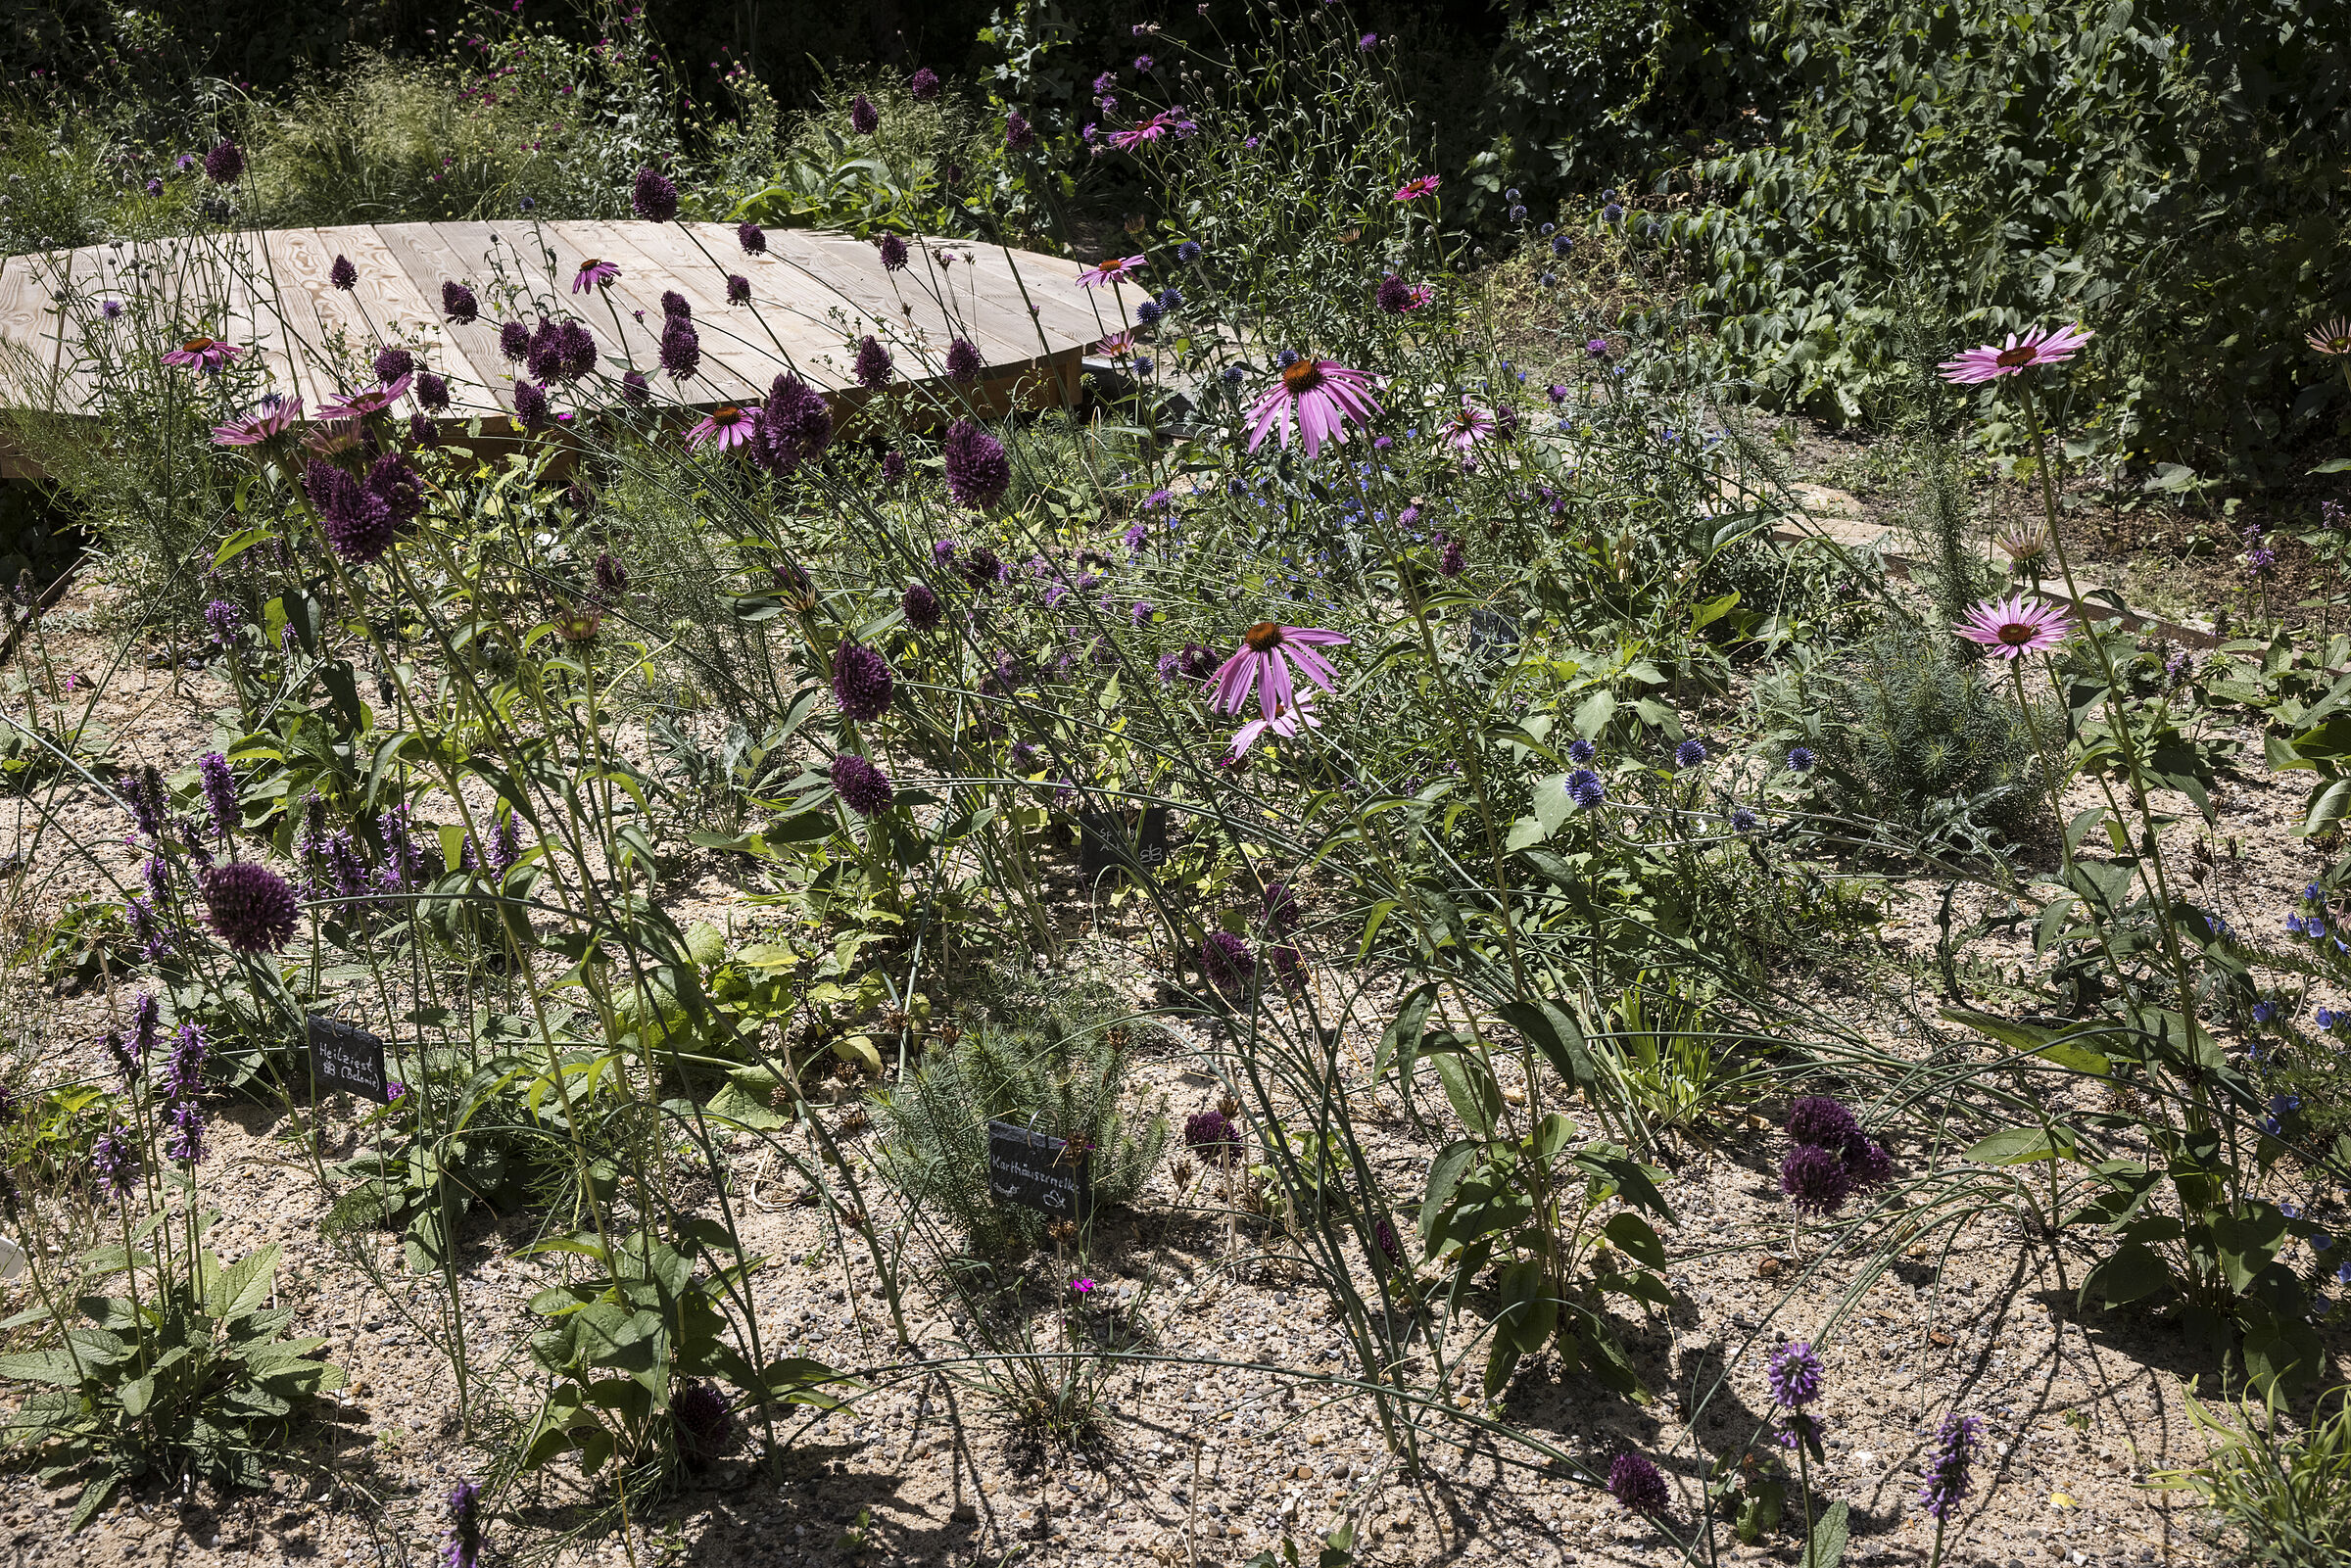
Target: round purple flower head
[(432, 392), (795, 425), (1394, 295), (250, 907), (864, 118), (357, 521), (1451, 562), (1586, 789), (515, 341), (1637, 1483), (224, 163), (893, 467), (461, 1544), (873, 363), (458, 303), (702, 1419), (1689, 754), (1226, 961), (861, 682), (1867, 1162), (1822, 1122), (681, 348), (894, 252), (342, 275), (922, 606), (1794, 1373), (675, 303), (1947, 1481), (392, 364), (530, 404), (575, 350), (1815, 1179), (963, 363), (752, 238), (635, 390), (1019, 134), (655, 199), (1214, 1136), (979, 471), (923, 85), (863, 788), (738, 289)]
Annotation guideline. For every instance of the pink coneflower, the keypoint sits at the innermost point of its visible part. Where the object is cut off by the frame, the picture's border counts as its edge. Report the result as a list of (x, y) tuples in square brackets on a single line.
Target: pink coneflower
[(1414, 190), (1265, 651), (2015, 627), (1149, 132), (1297, 716), (1119, 344), (1116, 270), (1464, 430), (273, 419), (726, 425), (359, 405), (207, 355), (593, 275), (1994, 360), (2330, 337), (1322, 395)]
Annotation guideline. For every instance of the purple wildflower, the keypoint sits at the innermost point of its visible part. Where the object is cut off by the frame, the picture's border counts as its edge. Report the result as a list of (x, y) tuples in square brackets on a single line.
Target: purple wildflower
[(873, 363), (1794, 1374), (515, 341), (1822, 1122), (894, 252), (1947, 1482), (1815, 1179), (1226, 961), (219, 794), (864, 118), (922, 606), (250, 907), (114, 1161), (461, 1544), (752, 238), (655, 199), (1637, 1483), (224, 163), (862, 682), (185, 1145), (963, 363), (979, 471), (1214, 1136), (458, 303), (530, 404), (738, 289), (862, 787), (923, 85)]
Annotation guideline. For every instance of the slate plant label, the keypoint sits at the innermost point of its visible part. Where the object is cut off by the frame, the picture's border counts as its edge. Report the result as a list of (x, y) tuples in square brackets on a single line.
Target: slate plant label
[(1106, 841), (1037, 1172), (343, 1056)]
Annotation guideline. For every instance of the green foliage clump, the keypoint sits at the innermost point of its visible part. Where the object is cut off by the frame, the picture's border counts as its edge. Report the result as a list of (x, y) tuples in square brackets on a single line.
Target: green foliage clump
[(2286, 1496), (1907, 732), (1064, 1077)]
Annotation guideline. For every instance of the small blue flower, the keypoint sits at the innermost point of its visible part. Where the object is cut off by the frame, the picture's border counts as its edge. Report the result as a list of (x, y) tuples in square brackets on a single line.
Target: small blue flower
[(2310, 894), (1581, 752), (2263, 1012), (1287, 357), (1562, 243), (1689, 754), (2328, 1017), (2321, 1242), (2342, 1276), (1234, 375), (1149, 312), (1169, 299), (1801, 759), (1743, 820), (1189, 252), (1585, 788)]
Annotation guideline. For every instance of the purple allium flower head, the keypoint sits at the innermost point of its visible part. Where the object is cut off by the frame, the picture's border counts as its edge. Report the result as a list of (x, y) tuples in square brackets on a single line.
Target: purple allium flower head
[(1394, 295), (752, 238), (795, 425), (544, 361), (979, 567), (1213, 1136), (738, 289), (432, 392), (612, 578), (923, 85), (225, 619), (1019, 134), (1637, 1483), (862, 682), (681, 348), (1383, 1235), (978, 469), (1226, 961), (872, 363), (224, 163), (862, 787), (635, 390), (575, 350), (864, 118), (675, 303), (1867, 1162), (357, 521), (457, 302), (963, 363), (114, 1161), (893, 467), (1821, 1121), (393, 363), (700, 1418), (1948, 1480), (461, 1543), (894, 252), (342, 275), (250, 907), (922, 606), (219, 794), (1586, 789), (394, 480), (1794, 1374), (655, 199), (1815, 1179), (515, 341)]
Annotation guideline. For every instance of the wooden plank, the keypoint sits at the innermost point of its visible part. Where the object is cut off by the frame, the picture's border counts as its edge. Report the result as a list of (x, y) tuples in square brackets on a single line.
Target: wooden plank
[(740, 358), (469, 360)]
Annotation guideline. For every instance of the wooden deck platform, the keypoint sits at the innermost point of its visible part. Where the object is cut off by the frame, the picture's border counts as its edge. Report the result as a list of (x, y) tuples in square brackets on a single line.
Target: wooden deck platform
[(812, 295)]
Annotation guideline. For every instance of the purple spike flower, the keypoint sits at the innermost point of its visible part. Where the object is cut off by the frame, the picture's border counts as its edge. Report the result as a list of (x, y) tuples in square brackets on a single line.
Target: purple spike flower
[(979, 471), (862, 682), (1637, 1483), (1794, 1374), (1948, 1480), (114, 1161), (185, 1144), (219, 794), (461, 1544), (863, 788)]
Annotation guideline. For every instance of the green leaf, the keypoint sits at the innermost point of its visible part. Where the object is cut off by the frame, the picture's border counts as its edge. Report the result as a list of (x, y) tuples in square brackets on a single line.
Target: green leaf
[(93, 1498), (2248, 1243), (1634, 1238), (1469, 1085), (1829, 1536), (2134, 1274), (2019, 1146), (2031, 1039), (1556, 1035), (1529, 1309), (243, 1287), (1400, 1042)]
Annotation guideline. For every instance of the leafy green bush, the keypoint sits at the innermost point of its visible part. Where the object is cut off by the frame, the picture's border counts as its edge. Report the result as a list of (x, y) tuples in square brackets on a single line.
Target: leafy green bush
[(1906, 731), (1063, 1078), (2284, 1495), (2167, 173)]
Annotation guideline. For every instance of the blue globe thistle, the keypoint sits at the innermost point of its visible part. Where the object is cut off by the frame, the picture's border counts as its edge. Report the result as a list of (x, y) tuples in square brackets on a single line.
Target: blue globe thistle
[(250, 907), (1149, 312), (1581, 752), (1637, 1483), (1689, 754), (1794, 1374), (1562, 243), (1586, 791), (1743, 820), (862, 787), (1189, 252), (1801, 759), (1169, 298), (1233, 376), (862, 682)]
